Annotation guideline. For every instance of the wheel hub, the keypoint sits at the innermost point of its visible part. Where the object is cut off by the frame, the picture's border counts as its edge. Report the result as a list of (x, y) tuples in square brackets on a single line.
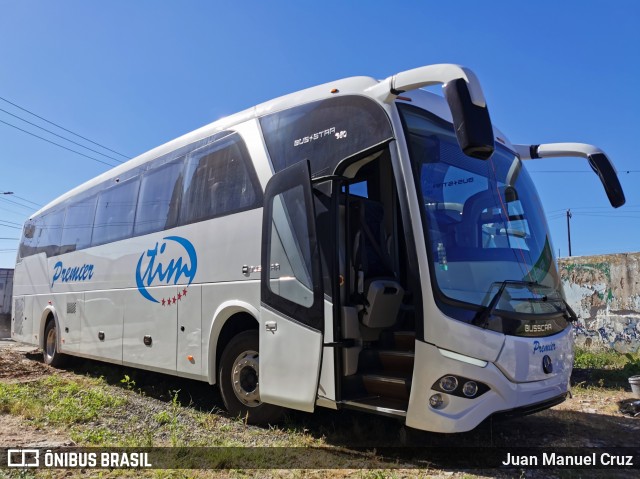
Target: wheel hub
[(244, 378)]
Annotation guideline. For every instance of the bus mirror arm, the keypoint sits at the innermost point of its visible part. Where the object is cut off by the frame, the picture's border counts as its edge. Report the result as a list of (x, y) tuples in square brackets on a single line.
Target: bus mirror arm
[(598, 160), (464, 95)]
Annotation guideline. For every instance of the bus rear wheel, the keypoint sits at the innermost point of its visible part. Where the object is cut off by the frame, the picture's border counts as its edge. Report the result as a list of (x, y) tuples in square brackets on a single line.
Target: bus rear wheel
[(239, 382), (52, 356)]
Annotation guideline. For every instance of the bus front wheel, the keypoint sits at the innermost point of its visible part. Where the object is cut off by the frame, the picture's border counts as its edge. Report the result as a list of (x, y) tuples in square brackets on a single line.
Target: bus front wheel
[(239, 382)]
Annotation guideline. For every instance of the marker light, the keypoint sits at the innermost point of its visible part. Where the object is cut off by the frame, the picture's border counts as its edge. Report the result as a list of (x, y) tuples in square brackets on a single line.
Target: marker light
[(436, 401), (470, 388), (449, 383)]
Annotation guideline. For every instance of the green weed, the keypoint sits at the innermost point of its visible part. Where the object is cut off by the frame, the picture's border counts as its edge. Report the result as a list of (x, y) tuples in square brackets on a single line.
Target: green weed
[(607, 368), (58, 401)]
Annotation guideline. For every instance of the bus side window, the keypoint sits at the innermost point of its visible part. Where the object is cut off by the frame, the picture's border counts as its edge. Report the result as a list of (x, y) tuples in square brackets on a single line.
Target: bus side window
[(50, 233), (28, 242), (220, 180), (115, 212), (159, 200), (78, 225)]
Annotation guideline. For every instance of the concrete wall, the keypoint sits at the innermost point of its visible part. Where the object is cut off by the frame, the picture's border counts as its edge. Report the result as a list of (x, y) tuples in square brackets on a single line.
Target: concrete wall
[(604, 291), (6, 291)]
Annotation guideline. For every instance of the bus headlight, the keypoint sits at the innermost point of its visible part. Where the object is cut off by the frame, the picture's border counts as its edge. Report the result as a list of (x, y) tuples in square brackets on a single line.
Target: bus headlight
[(470, 389), (449, 383), (436, 401), (459, 386)]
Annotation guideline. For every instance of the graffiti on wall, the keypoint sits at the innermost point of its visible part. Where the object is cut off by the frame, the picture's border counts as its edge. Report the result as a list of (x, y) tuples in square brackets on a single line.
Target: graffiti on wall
[(604, 291)]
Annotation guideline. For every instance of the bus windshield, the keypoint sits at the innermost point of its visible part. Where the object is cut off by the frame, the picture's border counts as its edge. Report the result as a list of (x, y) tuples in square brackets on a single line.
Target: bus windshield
[(483, 219)]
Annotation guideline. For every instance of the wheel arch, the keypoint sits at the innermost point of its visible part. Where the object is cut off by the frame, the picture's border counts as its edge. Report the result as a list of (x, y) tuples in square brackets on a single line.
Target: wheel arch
[(49, 314), (230, 318)]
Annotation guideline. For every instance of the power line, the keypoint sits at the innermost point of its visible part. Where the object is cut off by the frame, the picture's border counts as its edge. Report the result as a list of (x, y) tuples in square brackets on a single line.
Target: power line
[(60, 136), (13, 195), (11, 222), (24, 199), (58, 144), (16, 203), (15, 212), (18, 213), (65, 129)]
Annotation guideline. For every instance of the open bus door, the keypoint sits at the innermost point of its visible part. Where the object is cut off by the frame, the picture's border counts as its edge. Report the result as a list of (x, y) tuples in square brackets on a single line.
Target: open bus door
[(291, 293)]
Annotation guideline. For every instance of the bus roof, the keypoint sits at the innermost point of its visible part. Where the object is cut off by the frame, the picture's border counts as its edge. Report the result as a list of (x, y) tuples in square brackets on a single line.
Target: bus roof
[(359, 85)]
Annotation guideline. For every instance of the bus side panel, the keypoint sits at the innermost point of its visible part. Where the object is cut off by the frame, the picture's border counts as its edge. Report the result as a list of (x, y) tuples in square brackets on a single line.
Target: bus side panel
[(150, 329), (190, 331), (30, 278), (69, 308), (102, 324), (22, 322)]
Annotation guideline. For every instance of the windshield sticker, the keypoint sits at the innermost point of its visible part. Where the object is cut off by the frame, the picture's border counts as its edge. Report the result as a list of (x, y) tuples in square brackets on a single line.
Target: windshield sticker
[(72, 273), (543, 348), (447, 184), (168, 262)]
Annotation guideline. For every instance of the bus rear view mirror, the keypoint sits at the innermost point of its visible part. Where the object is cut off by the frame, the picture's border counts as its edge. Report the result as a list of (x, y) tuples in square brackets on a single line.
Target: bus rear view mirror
[(471, 122), (464, 95), (29, 230), (602, 166), (598, 161)]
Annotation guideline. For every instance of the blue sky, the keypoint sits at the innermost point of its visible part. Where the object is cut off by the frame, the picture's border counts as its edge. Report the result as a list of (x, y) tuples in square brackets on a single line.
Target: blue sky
[(133, 75)]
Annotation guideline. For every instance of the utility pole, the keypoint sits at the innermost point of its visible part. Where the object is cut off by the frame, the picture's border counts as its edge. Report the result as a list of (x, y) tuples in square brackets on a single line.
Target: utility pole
[(569, 215)]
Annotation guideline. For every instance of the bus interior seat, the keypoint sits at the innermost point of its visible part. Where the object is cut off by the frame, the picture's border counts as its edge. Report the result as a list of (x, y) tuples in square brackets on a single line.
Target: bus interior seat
[(375, 283), (469, 230), (217, 197)]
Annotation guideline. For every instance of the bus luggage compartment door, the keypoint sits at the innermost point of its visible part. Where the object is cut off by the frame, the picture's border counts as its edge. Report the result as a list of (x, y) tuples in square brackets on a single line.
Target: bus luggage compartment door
[(291, 293)]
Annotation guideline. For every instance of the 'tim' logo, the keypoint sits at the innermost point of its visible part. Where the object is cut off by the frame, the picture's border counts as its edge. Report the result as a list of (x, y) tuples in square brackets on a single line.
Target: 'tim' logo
[(166, 263)]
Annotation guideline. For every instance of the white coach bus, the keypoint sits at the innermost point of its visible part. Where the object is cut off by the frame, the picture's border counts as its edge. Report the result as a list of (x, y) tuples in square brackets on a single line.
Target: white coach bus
[(362, 244)]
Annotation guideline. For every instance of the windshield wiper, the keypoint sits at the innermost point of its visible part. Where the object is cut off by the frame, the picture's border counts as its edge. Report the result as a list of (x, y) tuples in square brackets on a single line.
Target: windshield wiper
[(568, 312), (482, 317)]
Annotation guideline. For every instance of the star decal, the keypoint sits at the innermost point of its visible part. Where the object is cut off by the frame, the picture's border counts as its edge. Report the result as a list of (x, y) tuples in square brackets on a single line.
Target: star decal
[(174, 299)]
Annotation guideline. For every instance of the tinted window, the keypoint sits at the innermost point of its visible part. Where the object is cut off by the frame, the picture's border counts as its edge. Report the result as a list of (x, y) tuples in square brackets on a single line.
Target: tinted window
[(115, 212), (78, 225), (289, 248), (159, 200), (220, 180), (291, 277), (50, 232), (324, 132), (28, 242)]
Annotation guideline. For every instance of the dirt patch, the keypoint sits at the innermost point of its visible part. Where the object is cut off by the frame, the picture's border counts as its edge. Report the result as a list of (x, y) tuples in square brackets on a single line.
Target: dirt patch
[(17, 432), (19, 362)]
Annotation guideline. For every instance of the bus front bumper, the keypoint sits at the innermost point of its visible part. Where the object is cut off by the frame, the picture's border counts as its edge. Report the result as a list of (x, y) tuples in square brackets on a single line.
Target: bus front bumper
[(460, 414)]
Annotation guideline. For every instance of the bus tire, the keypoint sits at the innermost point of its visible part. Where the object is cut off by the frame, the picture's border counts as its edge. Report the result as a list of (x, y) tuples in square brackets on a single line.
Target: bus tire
[(238, 381), (52, 356)]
